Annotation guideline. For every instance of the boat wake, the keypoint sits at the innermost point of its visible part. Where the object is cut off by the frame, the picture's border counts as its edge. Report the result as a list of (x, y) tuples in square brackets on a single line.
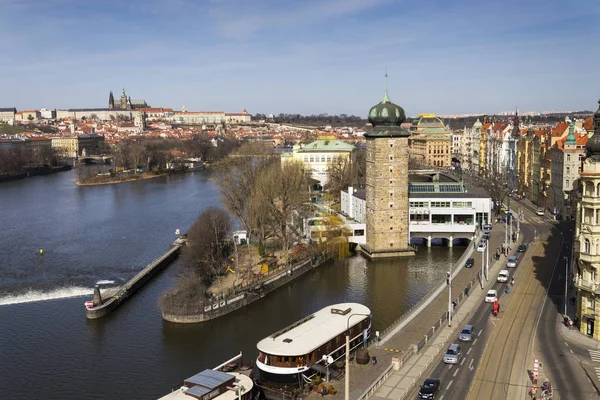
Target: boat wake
[(38, 295)]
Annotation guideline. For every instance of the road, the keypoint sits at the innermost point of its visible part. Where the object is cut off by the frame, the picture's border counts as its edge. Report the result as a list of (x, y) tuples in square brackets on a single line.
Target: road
[(497, 364), (456, 379)]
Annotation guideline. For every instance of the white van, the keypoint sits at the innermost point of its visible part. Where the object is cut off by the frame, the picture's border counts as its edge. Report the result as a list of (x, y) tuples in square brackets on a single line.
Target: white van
[(502, 276)]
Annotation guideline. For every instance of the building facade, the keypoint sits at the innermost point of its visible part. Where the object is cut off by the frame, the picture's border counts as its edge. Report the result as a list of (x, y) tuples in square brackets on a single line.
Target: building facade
[(430, 141), (318, 156), (74, 146), (387, 182), (438, 208), (7, 114), (587, 239)]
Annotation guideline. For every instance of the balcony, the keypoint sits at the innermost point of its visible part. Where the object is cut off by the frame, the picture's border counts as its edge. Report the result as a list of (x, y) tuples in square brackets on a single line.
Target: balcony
[(590, 258), (587, 285)]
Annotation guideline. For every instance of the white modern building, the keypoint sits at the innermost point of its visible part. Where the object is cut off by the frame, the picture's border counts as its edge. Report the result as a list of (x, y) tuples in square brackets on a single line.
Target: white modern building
[(439, 207)]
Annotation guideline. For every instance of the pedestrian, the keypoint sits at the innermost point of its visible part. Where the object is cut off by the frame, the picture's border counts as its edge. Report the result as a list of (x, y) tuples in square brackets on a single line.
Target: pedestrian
[(453, 305)]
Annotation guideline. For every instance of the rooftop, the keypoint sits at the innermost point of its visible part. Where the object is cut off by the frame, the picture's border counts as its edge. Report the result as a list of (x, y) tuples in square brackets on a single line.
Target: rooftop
[(326, 145), (311, 332)]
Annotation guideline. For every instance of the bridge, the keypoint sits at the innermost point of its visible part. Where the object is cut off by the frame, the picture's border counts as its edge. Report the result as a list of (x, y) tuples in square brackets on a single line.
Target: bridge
[(96, 159)]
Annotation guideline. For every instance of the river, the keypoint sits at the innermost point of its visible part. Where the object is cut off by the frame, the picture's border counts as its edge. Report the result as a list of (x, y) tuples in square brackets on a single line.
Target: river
[(48, 349)]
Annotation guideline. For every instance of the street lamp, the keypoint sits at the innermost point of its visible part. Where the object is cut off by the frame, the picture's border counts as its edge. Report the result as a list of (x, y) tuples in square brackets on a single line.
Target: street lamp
[(449, 283), (566, 280), (347, 378)]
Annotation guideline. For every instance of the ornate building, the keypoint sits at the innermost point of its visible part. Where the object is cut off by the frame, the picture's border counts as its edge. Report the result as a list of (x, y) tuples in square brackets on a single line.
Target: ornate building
[(125, 103), (430, 141), (387, 183), (587, 238)]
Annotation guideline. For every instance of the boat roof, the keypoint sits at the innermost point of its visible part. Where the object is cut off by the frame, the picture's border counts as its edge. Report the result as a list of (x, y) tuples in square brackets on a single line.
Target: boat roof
[(309, 333)]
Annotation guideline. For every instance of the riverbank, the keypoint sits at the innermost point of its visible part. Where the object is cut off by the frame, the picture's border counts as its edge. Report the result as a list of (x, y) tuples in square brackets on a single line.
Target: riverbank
[(35, 172), (244, 295), (123, 178)]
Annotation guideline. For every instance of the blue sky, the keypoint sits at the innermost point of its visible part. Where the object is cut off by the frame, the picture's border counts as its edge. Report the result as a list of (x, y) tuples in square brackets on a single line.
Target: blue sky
[(302, 56)]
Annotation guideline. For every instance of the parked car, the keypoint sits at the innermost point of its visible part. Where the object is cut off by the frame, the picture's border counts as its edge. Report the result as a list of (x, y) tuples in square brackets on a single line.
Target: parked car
[(487, 236), (521, 248), (453, 354), (466, 335), (429, 388), (491, 296), (469, 263), (502, 276), (512, 262), (487, 227), (482, 245), (540, 212)]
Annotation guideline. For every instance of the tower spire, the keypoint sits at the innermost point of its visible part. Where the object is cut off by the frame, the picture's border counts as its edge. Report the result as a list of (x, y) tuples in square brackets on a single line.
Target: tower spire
[(386, 98)]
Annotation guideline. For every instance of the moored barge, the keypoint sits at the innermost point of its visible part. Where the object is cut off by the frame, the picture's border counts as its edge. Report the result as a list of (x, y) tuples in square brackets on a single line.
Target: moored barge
[(293, 355)]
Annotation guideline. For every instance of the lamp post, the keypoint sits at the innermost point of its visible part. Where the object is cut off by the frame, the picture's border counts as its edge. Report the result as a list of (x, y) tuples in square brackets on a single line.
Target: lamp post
[(449, 283), (487, 261), (482, 267), (566, 280), (347, 377)]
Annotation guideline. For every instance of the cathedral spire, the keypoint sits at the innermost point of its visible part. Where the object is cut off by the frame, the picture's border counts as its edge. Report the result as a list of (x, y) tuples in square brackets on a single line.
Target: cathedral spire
[(111, 100), (516, 130)]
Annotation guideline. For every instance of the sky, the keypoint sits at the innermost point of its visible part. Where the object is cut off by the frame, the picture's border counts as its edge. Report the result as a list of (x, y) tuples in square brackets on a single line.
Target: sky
[(302, 56)]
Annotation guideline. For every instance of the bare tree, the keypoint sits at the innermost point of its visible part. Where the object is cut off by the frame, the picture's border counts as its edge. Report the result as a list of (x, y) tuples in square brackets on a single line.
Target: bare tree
[(286, 190), (208, 243)]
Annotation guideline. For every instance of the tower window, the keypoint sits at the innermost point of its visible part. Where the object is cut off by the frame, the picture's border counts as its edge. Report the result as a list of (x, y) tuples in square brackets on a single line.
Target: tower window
[(391, 217), (391, 145), (391, 244), (391, 169), (391, 228)]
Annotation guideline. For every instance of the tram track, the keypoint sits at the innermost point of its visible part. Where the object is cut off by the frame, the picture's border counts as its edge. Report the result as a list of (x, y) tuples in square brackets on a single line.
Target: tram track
[(492, 381)]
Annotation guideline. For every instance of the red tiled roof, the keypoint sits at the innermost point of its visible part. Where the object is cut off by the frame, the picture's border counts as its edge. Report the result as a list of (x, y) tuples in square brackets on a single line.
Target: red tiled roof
[(560, 129), (588, 123)]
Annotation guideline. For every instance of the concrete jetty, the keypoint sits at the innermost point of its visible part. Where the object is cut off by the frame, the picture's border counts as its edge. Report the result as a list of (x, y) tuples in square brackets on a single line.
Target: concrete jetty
[(103, 304)]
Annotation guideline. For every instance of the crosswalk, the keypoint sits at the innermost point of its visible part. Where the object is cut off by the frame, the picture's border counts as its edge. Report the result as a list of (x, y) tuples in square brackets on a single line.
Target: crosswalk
[(595, 355)]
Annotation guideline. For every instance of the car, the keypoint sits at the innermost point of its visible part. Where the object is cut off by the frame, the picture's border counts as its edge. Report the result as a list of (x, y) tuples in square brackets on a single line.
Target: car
[(502, 276), (540, 212), (512, 262), (469, 263), (482, 245), (487, 227), (466, 335), (429, 388), (491, 296), (521, 248), (453, 354), (487, 236)]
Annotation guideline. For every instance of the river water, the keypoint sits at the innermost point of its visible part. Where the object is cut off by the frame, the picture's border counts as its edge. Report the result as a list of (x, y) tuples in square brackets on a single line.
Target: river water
[(49, 350)]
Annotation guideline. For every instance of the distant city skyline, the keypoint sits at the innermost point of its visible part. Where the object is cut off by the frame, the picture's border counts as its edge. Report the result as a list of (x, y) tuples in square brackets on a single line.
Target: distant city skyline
[(309, 57)]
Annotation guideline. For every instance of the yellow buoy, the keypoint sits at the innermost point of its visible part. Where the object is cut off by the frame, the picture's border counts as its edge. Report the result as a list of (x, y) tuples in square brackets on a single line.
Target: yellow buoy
[(41, 251)]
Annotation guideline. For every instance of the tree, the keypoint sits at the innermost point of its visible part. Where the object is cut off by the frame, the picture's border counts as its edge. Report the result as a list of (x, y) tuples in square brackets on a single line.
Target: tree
[(343, 172), (237, 177), (30, 117), (285, 188), (209, 242)]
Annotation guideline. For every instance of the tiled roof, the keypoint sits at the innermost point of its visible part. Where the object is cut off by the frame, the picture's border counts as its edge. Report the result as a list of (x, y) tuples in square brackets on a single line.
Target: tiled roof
[(560, 129), (588, 123)]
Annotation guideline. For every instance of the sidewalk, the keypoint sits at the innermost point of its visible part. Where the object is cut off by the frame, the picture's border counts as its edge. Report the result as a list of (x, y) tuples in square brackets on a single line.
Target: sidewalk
[(401, 382), (402, 339), (573, 334)]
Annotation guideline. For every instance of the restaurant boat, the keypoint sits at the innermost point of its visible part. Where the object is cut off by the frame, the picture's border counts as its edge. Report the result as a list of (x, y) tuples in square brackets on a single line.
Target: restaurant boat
[(296, 353)]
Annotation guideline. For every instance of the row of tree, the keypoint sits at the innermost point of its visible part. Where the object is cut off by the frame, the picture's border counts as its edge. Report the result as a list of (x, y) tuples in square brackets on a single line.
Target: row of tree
[(313, 120), (16, 159)]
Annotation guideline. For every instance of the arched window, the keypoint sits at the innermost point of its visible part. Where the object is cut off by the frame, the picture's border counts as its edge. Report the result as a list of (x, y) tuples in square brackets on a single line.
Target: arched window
[(568, 157), (586, 246)]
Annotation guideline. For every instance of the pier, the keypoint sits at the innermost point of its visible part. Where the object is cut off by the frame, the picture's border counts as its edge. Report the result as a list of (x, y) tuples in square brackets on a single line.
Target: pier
[(103, 304)]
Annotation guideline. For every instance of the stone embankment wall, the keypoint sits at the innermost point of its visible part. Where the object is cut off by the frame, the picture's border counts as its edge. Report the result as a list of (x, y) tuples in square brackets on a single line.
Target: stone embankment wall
[(257, 291)]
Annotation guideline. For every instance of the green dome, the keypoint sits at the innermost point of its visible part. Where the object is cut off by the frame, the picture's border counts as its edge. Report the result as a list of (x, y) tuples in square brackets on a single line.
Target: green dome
[(386, 113)]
